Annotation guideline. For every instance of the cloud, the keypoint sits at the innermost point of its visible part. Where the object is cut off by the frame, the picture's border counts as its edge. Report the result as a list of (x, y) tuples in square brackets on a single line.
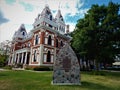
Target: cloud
[(2, 18), (28, 7), (10, 2), (80, 3), (25, 11), (74, 18), (54, 11)]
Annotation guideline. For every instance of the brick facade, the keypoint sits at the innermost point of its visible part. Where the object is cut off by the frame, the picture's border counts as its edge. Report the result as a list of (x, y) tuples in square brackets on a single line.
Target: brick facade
[(40, 46)]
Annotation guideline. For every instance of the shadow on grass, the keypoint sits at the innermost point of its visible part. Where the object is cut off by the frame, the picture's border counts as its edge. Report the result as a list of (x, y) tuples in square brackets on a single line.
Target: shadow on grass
[(88, 86), (94, 86), (3, 75), (102, 73)]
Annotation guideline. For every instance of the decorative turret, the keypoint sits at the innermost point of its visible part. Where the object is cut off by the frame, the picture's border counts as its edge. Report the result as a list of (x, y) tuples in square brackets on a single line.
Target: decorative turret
[(45, 18), (20, 33), (67, 28), (60, 21)]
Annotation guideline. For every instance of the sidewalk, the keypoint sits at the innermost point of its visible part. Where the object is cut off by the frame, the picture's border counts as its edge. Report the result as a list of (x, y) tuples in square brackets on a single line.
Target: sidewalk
[(110, 70), (1, 69)]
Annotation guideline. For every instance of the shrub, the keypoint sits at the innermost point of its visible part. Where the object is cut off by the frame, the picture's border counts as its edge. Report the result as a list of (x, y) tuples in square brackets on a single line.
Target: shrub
[(2, 60), (116, 69), (101, 73), (19, 65), (8, 67), (28, 68), (42, 69)]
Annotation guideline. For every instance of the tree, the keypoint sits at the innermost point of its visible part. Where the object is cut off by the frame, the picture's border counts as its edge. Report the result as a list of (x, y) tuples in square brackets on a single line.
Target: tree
[(97, 35), (4, 52), (5, 47)]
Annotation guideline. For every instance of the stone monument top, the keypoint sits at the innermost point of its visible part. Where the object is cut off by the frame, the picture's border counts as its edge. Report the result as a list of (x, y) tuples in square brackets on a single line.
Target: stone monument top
[(66, 69)]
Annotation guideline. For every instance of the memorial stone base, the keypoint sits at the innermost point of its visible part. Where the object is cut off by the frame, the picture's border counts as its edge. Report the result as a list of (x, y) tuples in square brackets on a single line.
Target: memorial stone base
[(66, 69)]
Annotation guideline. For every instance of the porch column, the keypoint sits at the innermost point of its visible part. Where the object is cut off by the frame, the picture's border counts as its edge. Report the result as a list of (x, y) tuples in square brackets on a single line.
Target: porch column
[(22, 58), (15, 58), (25, 57), (12, 59), (18, 57), (9, 62)]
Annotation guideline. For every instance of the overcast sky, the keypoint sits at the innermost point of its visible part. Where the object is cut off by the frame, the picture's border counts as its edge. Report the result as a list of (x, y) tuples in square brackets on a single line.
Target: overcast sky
[(13, 13)]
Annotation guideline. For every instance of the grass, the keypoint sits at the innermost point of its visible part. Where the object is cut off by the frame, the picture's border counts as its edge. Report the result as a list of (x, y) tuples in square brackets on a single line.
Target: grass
[(26, 80)]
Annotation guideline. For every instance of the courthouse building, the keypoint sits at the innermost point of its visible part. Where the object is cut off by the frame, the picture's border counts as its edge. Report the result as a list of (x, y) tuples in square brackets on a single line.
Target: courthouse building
[(40, 46)]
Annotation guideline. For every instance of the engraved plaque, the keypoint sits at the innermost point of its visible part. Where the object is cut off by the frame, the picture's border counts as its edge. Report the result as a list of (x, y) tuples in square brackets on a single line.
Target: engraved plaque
[(66, 64)]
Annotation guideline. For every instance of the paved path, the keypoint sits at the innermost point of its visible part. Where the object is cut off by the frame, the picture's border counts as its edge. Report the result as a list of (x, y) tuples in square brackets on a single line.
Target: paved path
[(18, 69), (1, 69), (110, 70)]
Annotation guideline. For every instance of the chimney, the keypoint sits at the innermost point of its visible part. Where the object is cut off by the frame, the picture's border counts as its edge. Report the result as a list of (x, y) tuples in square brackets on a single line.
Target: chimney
[(67, 28)]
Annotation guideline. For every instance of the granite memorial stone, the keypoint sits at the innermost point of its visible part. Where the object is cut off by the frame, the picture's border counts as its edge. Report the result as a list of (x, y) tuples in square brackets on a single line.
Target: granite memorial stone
[(66, 69)]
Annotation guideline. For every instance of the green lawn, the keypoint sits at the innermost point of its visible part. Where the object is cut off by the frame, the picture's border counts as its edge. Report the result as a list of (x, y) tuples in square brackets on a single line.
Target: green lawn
[(26, 80)]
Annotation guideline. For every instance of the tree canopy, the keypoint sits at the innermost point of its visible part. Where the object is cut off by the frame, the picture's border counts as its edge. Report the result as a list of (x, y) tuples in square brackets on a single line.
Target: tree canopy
[(97, 35)]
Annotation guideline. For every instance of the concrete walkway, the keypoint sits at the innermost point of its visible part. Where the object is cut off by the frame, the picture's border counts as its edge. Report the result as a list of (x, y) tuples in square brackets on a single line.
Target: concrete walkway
[(110, 70), (19, 69), (1, 69)]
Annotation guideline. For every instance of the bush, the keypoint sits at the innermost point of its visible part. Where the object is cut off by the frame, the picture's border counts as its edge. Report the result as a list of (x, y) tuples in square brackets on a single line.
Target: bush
[(28, 68), (101, 73), (19, 65), (8, 67), (2, 60), (42, 69), (116, 69)]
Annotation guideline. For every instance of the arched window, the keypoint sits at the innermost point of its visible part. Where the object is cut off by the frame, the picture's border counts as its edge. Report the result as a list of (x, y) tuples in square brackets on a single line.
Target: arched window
[(23, 33), (36, 39), (50, 17), (35, 56), (49, 40), (48, 56), (61, 43), (56, 42)]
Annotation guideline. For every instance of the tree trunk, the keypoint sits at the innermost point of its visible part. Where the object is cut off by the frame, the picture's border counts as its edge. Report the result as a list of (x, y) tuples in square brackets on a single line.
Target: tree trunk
[(96, 65)]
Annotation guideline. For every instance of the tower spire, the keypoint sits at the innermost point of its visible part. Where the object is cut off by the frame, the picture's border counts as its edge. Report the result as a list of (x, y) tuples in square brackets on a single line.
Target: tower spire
[(59, 6), (46, 3)]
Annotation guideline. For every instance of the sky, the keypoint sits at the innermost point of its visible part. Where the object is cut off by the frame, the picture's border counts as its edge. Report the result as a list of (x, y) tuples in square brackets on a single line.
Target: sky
[(13, 13)]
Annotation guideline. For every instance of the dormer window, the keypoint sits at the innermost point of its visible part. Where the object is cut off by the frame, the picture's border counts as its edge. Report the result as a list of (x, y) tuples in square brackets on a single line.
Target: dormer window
[(47, 12), (23, 33), (50, 17)]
